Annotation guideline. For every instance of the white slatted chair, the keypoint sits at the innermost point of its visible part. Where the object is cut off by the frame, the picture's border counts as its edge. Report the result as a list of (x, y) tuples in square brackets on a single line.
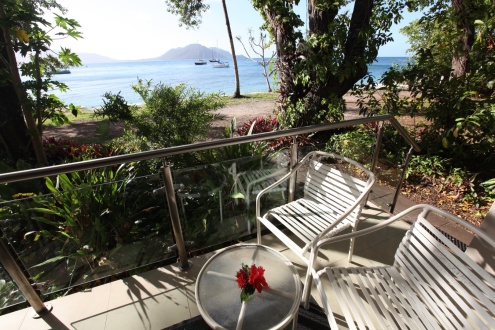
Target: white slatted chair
[(250, 182), (332, 202), (432, 284)]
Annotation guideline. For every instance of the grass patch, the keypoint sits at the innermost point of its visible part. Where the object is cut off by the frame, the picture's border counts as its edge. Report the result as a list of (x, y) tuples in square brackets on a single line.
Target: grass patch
[(251, 97), (85, 115)]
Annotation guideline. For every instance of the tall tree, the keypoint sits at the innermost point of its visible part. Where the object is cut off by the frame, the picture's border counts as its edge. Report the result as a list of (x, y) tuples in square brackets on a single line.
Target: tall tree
[(190, 14), (25, 32), (10, 65), (237, 91), (14, 135), (259, 47), (315, 72), (462, 11)]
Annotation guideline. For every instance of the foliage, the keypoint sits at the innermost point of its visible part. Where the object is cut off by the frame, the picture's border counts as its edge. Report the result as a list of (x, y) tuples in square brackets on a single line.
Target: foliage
[(9, 294), (87, 208), (62, 150), (453, 90), (34, 36), (258, 125), (263, 125), (25, 32), (172, 116), (316, 71), (189, 11), (425, 168), (259, 47), (356, 144), (115, 108)]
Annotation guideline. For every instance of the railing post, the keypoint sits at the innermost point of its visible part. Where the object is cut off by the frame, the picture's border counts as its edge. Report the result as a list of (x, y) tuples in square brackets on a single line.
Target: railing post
[(174, 216), (292, 163), (22, 282), (378, 146), (401, 180)]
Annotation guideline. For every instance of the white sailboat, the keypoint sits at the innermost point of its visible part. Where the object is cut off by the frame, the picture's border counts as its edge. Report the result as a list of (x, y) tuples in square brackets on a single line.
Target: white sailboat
[(220, 64), (214, 59), (201, 61)]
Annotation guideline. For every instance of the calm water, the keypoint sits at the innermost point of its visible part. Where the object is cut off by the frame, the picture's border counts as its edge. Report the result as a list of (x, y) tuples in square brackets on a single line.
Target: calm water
[(88, 83)]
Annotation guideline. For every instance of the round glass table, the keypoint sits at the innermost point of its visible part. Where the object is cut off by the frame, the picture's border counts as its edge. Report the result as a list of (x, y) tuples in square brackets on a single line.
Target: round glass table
[(218, 296)]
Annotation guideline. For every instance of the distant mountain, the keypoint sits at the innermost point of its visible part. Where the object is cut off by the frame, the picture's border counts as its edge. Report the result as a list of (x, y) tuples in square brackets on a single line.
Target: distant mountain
[(88, 58), (194, 51)]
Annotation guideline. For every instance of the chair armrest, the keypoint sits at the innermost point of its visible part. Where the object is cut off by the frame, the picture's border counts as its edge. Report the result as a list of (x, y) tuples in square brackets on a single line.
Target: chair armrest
[(271, 175), (267, 189), (425, 208)]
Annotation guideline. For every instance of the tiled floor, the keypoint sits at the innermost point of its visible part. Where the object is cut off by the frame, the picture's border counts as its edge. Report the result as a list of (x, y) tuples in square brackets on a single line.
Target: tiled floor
[(163, 297)]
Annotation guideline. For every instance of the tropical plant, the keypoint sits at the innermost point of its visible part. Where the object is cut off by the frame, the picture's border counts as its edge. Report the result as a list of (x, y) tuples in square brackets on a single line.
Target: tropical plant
[(316, 70), (174, 115), (9, 294), (88, 209), (356, 144), (26, 32)]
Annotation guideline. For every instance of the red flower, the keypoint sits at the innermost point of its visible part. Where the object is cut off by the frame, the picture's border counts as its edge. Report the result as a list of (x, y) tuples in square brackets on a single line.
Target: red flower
[(242, 277), (250, 280), (257, 278)]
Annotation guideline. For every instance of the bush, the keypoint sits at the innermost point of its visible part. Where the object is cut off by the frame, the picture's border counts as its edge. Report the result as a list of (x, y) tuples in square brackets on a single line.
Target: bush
[(356, 144), (63, 150), (174, 115), (257, 125)]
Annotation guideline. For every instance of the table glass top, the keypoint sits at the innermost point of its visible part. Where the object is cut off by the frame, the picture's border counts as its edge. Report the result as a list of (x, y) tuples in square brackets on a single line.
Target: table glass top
[(218, 295)]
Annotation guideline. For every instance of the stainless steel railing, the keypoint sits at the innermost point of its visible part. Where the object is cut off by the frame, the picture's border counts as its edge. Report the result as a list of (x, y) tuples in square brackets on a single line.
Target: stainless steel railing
[(21, 280)]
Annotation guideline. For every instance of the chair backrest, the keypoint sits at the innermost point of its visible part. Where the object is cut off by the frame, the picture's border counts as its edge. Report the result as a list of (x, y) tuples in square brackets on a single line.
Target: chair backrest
[(334, 188), (454, 287)]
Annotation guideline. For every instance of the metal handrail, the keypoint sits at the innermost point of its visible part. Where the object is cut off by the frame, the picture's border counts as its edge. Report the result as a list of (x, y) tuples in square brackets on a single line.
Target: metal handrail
[(167, 152), (36, 173)]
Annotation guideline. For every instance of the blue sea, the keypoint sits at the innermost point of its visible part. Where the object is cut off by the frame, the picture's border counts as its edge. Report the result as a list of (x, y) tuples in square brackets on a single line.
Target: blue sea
[(88, 83)]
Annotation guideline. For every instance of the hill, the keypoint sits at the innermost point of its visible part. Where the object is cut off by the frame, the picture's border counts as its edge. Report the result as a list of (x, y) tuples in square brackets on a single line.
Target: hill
[(88, 58), (194, 51)]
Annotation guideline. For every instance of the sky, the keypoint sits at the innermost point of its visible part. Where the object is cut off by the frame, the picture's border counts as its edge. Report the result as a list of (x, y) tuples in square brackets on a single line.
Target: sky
[(131, 30)]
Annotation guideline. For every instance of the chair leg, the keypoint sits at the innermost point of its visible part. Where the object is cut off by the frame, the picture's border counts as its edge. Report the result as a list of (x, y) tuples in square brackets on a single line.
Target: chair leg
[(351, 244), (258, 231), (220, 204), (308, 281), (248, 215)]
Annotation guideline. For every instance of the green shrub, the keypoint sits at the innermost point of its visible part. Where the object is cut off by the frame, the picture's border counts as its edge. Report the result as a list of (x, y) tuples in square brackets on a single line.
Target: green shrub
[(174, 115), (356, 144)]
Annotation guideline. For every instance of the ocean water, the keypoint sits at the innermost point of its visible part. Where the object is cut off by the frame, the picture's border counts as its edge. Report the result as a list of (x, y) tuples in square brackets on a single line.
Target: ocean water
[(88, 83)]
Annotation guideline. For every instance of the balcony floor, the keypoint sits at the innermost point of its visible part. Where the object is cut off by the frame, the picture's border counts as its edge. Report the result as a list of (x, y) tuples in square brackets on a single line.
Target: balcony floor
[(163, 297)]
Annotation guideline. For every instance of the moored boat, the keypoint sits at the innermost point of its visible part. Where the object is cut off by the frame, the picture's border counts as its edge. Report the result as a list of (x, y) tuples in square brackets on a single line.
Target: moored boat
[(220, 64), (65, 71)]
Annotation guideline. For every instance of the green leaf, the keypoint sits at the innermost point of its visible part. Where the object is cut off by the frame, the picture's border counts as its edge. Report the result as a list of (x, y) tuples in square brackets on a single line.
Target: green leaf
[(237, 195), (49, 261), (445, 143)]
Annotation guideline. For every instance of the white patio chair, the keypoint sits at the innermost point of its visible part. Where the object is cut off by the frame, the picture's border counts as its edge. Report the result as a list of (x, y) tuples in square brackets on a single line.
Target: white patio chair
[(333, 199), (432, 284), (250, 182)]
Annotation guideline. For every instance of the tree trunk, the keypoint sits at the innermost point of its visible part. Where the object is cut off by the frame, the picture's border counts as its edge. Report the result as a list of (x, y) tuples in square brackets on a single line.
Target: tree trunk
[(14, 136), (20, 92), (237, 92), (318, 100), (465, 39)]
